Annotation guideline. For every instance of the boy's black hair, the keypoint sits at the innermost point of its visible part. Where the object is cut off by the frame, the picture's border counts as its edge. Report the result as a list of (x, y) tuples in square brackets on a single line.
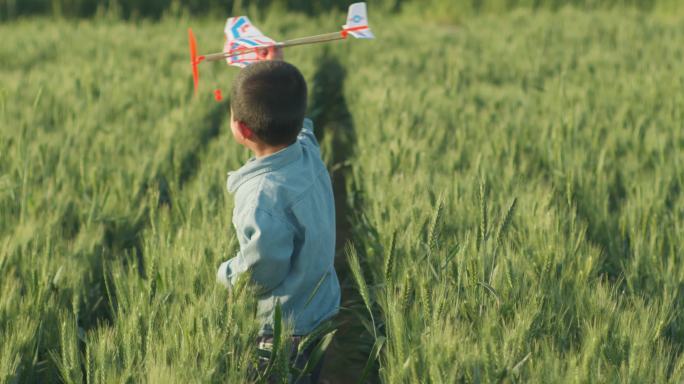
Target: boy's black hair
[(270, 97)]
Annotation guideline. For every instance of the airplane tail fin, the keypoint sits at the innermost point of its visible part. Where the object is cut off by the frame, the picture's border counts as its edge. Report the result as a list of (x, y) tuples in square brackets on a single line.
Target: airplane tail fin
[(357, 22)]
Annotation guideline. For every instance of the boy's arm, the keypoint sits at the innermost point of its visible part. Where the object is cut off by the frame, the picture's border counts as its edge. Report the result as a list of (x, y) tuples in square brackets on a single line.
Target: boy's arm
[(307, 131), (265, 252)]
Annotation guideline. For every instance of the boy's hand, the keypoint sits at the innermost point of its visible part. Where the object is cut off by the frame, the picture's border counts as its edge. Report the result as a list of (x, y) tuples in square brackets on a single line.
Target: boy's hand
[(270, 53), (222, 275)]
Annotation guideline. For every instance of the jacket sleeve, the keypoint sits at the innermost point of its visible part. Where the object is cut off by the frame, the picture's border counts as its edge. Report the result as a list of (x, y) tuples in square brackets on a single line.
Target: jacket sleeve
[(307, 132), (266, 247)]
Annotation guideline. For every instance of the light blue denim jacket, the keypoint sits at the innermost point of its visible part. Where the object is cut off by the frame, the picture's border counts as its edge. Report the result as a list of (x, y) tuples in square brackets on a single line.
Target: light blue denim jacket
[(284, 217)]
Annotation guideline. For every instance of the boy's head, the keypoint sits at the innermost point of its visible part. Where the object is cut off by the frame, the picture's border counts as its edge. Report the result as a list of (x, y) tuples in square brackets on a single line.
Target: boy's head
[(269, 99)]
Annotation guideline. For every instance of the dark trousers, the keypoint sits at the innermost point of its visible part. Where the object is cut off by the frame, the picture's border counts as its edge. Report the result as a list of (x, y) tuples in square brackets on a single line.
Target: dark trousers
[(265, 345)]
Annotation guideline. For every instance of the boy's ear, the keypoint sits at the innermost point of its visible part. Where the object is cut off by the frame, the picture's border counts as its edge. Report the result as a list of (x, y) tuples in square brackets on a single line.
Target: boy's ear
[(245, 130)]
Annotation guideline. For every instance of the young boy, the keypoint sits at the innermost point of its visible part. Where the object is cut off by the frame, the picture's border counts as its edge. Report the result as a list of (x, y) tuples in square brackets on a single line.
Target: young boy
[(284, 212)]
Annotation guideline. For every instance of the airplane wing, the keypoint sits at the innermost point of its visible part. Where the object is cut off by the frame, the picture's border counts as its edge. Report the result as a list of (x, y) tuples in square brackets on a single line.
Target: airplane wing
[(242, 37)]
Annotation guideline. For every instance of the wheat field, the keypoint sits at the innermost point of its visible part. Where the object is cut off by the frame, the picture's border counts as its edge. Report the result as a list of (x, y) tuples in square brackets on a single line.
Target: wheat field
[(508, 188)]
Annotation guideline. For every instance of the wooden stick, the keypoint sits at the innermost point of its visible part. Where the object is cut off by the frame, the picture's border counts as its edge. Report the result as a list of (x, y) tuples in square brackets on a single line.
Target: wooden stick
[(288, 43), (312, 39)]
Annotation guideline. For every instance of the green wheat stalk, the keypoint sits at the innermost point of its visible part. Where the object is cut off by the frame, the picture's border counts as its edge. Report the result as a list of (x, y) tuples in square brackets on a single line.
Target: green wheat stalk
[(355, 268)]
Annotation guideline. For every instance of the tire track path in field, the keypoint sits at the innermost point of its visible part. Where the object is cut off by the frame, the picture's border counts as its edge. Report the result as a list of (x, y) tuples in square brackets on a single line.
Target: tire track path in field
[(336, 132), (123, 237), (122, 240), (603, 229), (118, 241), (209, 130), (602, 232)]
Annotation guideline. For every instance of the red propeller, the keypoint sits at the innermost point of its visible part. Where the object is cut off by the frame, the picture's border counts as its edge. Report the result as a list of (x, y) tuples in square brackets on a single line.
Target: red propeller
[(194, 59)]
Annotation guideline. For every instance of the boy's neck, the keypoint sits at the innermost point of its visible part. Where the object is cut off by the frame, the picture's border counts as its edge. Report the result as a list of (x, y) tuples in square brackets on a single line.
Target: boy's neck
[(262, 150)]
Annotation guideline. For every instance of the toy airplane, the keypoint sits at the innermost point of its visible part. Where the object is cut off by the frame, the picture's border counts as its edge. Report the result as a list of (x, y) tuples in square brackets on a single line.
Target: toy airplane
[(244, 40)]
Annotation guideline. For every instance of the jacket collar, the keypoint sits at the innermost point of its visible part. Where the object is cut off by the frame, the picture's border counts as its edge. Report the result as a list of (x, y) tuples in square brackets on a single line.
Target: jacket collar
[(255, 167)]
